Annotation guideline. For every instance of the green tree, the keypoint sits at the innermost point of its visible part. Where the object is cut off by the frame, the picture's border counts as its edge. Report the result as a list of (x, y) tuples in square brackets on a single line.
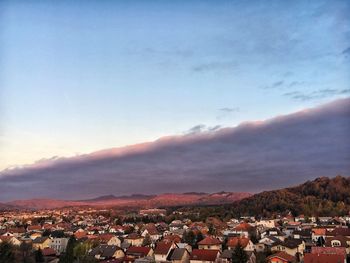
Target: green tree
[(239, 255), (68, 257), (80, 251), (7, 253), (39, 256)]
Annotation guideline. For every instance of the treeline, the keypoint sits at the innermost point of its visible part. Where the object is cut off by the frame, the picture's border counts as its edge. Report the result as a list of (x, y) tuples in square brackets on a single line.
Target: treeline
[(322, 197)]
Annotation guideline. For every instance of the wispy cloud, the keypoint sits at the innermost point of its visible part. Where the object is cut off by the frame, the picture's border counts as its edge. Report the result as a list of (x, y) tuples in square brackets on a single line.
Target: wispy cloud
[(346, 51), (215, 66), (229, 110), (318, 94), (201, 128), (226, 112)]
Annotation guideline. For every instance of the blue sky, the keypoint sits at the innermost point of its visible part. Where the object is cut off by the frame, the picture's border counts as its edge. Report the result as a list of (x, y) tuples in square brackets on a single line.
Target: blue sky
[(76, 77)]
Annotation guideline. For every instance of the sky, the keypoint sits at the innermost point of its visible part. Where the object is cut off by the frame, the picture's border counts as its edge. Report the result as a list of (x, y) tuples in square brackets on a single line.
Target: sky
[(82, 76)]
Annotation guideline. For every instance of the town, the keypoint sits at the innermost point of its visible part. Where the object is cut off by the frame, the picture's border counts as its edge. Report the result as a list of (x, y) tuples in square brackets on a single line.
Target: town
[(169, 235)]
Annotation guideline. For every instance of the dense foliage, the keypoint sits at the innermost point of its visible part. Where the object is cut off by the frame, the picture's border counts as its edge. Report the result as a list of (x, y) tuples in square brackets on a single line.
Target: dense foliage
[(322, 197)]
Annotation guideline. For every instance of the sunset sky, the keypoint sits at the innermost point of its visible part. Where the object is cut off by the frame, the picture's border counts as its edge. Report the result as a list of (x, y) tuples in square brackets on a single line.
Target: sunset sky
[(81, 76)]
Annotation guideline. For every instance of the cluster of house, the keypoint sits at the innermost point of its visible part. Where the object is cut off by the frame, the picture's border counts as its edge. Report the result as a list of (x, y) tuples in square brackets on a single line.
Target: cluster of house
[(283, 240)]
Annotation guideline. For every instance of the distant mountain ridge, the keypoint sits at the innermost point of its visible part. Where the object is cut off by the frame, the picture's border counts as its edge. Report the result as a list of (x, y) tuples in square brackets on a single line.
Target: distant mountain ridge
[(321, 197), (136, 200)]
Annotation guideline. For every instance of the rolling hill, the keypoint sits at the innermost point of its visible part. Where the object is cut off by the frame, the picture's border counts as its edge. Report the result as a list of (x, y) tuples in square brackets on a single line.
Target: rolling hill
[(136, 201), (322, 196)]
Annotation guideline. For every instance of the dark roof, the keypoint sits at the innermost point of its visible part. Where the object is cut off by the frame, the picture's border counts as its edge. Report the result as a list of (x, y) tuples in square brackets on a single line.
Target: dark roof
[(40, 240), (339, 231), (105, 251), (289, 243), (342, 239), (227, 253), (177, 253), (138, 251)]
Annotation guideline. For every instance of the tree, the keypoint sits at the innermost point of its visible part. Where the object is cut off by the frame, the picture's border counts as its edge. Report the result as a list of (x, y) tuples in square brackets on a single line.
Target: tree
[(39, 256), (239, 255), (80, 251), (68, 257), (189, 238), (320, 241), (147, 240), (7, 253)]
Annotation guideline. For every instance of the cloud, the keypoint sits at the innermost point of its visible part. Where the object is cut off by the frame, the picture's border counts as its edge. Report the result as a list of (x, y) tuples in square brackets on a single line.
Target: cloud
[(215, 66), (346, 51), (225, 112), (196, 129), (229, 110), (274, 85), (253, 156), (201, 128), (318, 94)]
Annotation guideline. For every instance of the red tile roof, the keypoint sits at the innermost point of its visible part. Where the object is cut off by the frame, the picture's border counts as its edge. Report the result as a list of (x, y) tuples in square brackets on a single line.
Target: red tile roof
[(163, 247), (284, 256), (204, 254), (329, 250), (209, 241), (48, 251), (174, 238), (323, 258), (138, 250), (234, 241), (319, 231), (243, 227)]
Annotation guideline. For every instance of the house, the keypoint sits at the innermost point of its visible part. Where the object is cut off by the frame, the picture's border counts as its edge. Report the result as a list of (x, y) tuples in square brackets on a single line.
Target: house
[(338, 231), (179, 255), (338, 241), (281, 257), (275, 232), (324, 258), (244, 242), (329, 250), (59, 244), (109, 239), (227, 254), (266, 243), (204, 256), (162, 250), (242, 229), (134, 239), (34, 228), (152, 231), (35, 235), (266, 223), (103, 252), (304, 234), (48, 252), (210, 243), (41, 242), (133, 253), (10, 239), (290, 246), (173, 238), (318, 233)]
